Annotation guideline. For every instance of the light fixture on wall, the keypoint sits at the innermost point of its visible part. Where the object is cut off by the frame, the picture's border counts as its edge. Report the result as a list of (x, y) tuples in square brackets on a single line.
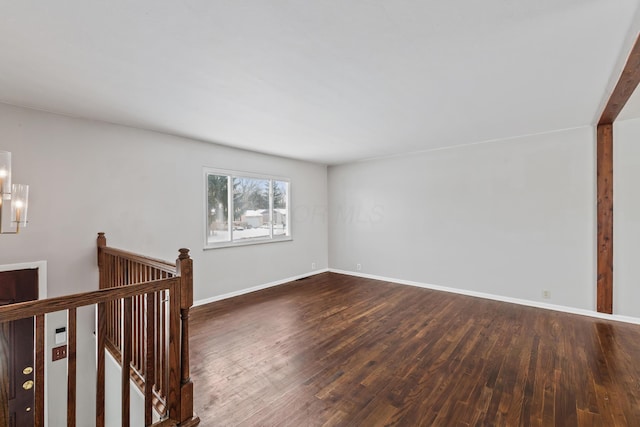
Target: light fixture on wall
[(17, 194)]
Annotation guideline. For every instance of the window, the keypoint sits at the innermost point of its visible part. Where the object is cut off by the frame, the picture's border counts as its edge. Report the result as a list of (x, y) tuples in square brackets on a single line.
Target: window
[(245, 208)]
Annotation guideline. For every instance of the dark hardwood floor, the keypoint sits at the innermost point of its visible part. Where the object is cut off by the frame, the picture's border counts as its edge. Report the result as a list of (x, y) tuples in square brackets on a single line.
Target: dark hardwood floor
[(338, 350)]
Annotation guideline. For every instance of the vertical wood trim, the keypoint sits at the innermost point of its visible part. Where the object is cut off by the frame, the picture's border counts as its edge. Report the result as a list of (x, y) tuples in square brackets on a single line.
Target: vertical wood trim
[(4, 374), (101, 330), (127, 342), (605, 218), (71, 370), (40, 361)]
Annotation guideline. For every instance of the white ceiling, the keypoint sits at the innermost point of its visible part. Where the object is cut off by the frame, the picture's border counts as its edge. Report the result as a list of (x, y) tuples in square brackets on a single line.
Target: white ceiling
[(326, 81)]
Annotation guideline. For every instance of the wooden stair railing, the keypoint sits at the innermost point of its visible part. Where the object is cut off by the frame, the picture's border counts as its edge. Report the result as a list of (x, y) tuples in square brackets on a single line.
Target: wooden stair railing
[(154, 346), (120, 268), (152, 372)]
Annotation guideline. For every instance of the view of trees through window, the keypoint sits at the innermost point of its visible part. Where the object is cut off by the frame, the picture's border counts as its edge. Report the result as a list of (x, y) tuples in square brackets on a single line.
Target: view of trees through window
[(257, 208)]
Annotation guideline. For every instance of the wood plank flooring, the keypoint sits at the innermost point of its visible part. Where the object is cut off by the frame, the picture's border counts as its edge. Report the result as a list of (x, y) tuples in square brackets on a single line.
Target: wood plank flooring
[(336, 350)]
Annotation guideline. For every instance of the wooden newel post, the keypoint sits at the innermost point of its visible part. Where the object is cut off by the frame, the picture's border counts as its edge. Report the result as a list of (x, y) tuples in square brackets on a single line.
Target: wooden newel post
[(184, 266), (101, 242)]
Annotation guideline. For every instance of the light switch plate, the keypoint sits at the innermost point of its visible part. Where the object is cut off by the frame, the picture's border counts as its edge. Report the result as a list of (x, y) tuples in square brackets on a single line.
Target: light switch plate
[(59, 353)]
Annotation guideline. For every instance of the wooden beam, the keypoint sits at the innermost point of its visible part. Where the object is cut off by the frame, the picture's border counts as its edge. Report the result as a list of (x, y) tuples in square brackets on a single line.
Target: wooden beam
[(627, 83), (605, 218)]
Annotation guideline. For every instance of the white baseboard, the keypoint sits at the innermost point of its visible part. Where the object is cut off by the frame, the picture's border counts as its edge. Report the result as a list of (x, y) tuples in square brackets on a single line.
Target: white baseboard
[(257, 288), (562, 308)]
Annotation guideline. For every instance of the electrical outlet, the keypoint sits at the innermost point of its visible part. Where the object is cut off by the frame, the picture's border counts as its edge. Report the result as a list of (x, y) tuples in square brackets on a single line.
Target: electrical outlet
[(59, 353), (546, 294), (313, 265), (358, 267)]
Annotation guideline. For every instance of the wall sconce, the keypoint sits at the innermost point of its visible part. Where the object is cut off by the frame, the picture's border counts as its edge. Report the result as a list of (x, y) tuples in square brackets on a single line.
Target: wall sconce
[(18, 194)]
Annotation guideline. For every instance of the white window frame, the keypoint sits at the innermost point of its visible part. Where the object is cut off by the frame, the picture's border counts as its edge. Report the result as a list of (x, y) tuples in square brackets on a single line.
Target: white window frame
[(252, 241)]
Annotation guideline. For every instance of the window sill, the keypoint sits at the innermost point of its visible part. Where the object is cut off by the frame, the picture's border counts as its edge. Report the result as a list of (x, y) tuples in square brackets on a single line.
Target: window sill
[(248, 242)]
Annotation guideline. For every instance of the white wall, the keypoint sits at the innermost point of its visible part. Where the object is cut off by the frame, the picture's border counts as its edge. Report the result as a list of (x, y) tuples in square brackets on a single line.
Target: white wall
[(626, 218), (508, 218), (146, 191), (113, 396)]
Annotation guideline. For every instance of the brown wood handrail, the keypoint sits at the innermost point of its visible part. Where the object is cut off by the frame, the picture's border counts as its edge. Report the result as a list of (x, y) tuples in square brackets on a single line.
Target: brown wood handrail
[(23, 310), (160, 264)]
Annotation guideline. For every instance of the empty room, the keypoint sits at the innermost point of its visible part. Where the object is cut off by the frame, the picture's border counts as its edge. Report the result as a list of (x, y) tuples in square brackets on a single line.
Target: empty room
[(290, 213)]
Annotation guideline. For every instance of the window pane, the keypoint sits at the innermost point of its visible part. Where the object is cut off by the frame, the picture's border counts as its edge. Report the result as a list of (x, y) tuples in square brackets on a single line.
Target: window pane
[(218, 208), (280, 208), (251, 217)]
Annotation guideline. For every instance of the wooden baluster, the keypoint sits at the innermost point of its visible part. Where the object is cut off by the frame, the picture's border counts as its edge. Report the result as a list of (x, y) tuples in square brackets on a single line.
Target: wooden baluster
[(115, 281), (113, 321), (125, 272), (100, 391), (155, 325), (104, 277), (184, 268), (158, 344), (135, 335), (108, 311), (71, 370), (39, 374), (110, 307), (103, 264), (142, 345), (164, 345), (149, 359), (141, 341), (116, 304), (133, 278), (112, 280), (126, 363), (138, 331), (119, 282), (140, 357)]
